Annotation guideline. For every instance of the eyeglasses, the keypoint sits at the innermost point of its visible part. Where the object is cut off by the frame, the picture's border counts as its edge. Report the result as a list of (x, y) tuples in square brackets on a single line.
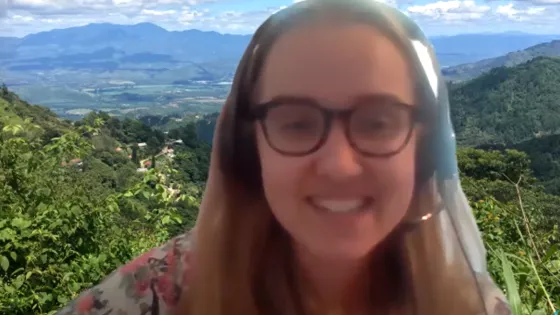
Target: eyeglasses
[(377, 126)]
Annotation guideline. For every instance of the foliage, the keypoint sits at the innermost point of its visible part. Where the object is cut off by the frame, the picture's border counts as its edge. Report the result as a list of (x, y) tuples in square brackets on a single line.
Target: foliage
[(13, 110), (74, 209), (520, 231), (521, 260), (206, 126), (508, 105), (544, 153), (514, 108)]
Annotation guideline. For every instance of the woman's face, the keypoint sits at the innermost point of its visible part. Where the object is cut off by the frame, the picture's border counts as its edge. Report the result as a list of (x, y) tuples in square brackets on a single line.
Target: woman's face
[(335, 202)]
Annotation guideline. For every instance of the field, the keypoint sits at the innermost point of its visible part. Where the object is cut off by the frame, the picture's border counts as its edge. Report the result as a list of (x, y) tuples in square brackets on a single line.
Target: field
[(124, 98)]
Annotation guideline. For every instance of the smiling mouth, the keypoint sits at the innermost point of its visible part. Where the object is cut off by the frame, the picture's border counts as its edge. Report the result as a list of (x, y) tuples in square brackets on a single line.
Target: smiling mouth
[(340, 205)]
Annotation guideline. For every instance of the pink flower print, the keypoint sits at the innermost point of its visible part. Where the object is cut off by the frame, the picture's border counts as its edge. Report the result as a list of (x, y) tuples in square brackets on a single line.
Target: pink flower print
[(85, 304), (141, 261), (142, 287), (167, 290), (163, 283), (171, 261)]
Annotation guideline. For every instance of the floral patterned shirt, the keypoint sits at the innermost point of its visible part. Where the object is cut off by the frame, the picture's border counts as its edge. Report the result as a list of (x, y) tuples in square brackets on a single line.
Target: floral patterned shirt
[(152, 284)]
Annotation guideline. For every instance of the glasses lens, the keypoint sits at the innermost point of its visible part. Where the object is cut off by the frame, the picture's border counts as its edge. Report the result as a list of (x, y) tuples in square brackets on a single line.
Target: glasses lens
[(294, 128), (380, 128)]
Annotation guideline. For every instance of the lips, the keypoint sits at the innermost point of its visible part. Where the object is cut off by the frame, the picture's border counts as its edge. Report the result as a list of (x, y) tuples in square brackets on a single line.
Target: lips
[(340, 205)]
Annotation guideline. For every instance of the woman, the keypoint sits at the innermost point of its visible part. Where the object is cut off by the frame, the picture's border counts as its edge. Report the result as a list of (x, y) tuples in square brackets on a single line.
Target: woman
[(333, 186)]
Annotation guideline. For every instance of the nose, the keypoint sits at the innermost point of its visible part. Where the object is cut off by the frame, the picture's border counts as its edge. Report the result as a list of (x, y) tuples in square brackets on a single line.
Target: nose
[(337, 159)]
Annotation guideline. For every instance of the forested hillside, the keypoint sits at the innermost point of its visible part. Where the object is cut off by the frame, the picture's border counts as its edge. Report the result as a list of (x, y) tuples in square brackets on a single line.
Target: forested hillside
[(75, 206), (13, 110), (79, 199), (508, 105)]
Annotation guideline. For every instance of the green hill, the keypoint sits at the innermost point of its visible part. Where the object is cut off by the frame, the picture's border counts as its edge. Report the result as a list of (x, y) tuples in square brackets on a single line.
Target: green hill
[(508, 104), (64, 227), (76, 206), (475, 69), (13, 110)]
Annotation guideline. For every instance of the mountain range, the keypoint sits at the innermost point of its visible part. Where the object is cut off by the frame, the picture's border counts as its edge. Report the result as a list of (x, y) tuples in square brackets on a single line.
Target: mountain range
[(148, 54), (475, 69)]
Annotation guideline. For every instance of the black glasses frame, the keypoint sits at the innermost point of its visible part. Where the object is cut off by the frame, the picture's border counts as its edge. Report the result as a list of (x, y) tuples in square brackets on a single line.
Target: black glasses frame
[(260, 113)]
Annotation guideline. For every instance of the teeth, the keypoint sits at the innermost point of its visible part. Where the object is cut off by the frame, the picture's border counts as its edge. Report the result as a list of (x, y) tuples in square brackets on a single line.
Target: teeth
[(339, 205)]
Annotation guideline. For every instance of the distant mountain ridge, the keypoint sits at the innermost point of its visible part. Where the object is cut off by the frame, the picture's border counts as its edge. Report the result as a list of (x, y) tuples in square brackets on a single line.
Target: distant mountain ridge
[(96, 53), (467, 48), (138, 38), (472, 70), (149, 54)]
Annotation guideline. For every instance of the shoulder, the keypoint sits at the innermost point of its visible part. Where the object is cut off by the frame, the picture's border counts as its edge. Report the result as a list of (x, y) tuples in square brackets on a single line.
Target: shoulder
[(149, 284), (494, 299)]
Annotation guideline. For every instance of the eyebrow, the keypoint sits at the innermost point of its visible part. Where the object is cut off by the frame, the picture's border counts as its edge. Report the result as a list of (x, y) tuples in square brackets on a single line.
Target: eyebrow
[(358, 99)]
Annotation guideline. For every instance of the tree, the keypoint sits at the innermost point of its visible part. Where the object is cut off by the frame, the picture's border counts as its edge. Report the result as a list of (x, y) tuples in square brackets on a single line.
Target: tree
[(495, 165), (4, 90), (134, 155), (154, 145), (64, 227), (187, 134)]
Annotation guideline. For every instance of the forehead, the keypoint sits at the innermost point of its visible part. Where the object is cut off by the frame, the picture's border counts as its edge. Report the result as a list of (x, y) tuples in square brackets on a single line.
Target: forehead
[(335, 64)]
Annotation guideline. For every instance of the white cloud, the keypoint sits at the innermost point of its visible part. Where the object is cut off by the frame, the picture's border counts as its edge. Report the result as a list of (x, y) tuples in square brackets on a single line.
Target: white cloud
[(509, 11), (157, 12), (449, 11), (541, 2), (188, 16), (85, 6), (20, 17), (384, 1), (240, 21)]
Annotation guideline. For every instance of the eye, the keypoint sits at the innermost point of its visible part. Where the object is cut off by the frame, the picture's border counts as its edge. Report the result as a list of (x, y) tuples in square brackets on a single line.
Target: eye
[(300, 125), (289, 118), (374, 123), (380, 120)]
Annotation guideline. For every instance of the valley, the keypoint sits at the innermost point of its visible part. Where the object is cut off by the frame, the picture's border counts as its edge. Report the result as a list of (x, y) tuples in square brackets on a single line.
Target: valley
[(127, 99), (135, 70)]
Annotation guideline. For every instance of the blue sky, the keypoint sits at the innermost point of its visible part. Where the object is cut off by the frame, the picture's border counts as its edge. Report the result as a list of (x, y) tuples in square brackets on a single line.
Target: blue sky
[(437, 17)]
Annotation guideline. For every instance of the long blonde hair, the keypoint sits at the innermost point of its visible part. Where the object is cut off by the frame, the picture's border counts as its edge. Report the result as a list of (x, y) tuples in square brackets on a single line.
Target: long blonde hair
[(243, 263)]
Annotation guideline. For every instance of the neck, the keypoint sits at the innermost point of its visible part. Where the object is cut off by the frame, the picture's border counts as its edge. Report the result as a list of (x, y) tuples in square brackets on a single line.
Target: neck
[(330, 279)]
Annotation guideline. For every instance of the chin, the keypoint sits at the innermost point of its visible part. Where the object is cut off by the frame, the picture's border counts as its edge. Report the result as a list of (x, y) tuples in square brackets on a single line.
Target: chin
[(344, 250)]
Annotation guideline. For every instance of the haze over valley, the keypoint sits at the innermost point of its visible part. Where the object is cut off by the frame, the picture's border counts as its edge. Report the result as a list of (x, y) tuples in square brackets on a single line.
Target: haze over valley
[(131, 70)]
